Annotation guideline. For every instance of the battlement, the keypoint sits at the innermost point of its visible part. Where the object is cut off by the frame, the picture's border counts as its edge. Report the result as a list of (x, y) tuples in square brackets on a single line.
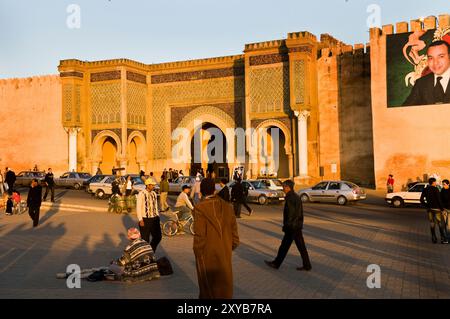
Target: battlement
[(420, 24), (151, 67), (265, 45), (302, 35), (30, 81), (344, 49), (232, 59)]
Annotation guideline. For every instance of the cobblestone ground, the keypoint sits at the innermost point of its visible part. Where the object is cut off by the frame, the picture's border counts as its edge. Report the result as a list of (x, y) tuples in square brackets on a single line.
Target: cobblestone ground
[(342, 242)]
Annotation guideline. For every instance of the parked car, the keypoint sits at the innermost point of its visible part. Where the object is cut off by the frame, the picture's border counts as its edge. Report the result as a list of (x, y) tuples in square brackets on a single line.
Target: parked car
[(93, 179), (340, 192), (259, 193), (103, 188), (272, 183), (24, 178), (72, 179), (411, 196), (176, 185)]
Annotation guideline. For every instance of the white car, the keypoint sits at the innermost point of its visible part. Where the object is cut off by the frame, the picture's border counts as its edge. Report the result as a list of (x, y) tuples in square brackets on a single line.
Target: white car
[(103, 188), (411, 196), (273, 184)]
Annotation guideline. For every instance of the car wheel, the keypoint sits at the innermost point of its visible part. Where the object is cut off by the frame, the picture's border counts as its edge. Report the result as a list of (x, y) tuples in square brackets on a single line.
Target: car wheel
[(262, 200), (304, 198), (100, 194), (342, 200), (397, 202), (77, 186)]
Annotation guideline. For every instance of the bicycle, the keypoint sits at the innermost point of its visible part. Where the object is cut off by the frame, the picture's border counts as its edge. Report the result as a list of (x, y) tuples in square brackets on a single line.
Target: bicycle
[(171, 227), (20, 207)]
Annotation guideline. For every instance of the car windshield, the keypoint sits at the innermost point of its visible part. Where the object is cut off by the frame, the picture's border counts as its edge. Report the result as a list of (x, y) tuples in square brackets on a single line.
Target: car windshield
[(137, 181), (259, 185), (84, 175), (96, 178), (277, 182)]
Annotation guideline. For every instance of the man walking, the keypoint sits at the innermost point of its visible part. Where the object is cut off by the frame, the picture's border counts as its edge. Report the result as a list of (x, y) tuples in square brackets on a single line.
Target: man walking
[(216, 236), (445, 198), (164, 192), (237, 197), (431, 199), (50, 186), (34, 201), (224, 193), (10, 179), (148, 215), (292, 228)]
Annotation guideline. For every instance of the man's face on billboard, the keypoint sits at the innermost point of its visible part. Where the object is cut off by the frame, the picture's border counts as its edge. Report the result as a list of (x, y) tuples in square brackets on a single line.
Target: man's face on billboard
[(438, 59)]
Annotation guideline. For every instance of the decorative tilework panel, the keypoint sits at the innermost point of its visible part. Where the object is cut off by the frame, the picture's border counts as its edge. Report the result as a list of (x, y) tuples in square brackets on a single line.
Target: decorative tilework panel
[(299, 81), (269, 89), (68, 100), (136, 103), (105, 103)]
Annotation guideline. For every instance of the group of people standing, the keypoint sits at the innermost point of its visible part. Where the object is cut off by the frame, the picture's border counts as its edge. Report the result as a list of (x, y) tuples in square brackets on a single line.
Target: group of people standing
[(437, 203)]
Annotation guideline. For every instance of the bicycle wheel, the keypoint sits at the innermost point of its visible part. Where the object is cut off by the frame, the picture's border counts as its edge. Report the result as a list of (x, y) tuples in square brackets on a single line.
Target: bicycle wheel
[(191, 227), (170, 228)]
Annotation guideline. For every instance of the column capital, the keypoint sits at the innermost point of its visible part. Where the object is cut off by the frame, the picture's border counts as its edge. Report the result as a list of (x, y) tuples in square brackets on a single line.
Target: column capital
[(302, 115), (72, 129)]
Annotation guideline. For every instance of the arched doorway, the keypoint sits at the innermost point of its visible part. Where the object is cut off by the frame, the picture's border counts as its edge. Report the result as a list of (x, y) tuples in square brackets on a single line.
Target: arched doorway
[(105, 152), (133, 166), (136, 153), (274, 150), (109, 155), (209, 151)]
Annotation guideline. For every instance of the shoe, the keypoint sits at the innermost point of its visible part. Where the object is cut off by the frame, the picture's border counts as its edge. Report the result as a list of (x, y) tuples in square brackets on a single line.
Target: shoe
[(445, 241), (434, 240), (250, 213), (304, 268), (271, 264), (8, 214)]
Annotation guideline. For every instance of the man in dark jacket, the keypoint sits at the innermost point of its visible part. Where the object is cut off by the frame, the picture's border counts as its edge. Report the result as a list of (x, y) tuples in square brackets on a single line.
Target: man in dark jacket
[(50, 185), (445, 198), (292, 228), (34, 201), (431, 199), (237, 197), (10, 179), (224, 193)]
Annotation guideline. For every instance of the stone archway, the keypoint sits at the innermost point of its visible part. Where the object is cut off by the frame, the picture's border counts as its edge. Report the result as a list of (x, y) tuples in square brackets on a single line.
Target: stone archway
[(136, 152), (286, 157), (209, 116), (105, 152)]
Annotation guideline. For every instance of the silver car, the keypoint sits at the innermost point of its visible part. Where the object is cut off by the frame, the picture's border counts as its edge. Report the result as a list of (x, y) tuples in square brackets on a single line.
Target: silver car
[(340, 192), (24, 178), (176, 185), (72, 179), (259, 192)]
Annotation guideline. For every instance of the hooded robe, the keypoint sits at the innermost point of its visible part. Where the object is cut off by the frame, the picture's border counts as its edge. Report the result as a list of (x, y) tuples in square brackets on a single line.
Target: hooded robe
[(216, 236)]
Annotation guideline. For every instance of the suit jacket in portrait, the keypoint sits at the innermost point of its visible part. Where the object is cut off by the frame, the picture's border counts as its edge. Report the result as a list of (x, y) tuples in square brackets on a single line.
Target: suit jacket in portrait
[(423, 92)]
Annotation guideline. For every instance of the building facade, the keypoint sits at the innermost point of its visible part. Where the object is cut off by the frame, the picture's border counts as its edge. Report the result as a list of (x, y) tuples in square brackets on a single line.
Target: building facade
[(328, 100)]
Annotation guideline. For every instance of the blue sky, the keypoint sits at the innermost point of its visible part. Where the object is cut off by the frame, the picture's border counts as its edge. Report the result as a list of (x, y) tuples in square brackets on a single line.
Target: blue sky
[(34, 35)]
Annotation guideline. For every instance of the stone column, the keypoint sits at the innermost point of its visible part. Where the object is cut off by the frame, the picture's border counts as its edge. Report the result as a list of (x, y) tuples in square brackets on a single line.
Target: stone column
[(73, 132), (302, 142)]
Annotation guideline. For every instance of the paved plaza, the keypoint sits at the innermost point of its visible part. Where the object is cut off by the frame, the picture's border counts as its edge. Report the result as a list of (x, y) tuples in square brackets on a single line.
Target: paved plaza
[(342, 243)]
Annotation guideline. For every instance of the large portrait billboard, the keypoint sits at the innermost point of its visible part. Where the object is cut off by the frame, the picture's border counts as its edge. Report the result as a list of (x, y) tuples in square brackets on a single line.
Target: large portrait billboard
[(418, 68)]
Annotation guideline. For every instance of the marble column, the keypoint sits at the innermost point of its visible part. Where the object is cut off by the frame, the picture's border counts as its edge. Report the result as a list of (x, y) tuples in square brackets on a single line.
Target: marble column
[(73, 133), (302, 118)]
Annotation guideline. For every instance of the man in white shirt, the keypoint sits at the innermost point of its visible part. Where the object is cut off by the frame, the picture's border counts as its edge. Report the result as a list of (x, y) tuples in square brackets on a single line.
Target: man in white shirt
[(148, 215), (183, 204)]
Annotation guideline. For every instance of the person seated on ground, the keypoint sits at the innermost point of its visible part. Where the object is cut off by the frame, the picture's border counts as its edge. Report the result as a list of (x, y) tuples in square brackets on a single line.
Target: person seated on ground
[(183, 204), (138, 262), (16, 197)]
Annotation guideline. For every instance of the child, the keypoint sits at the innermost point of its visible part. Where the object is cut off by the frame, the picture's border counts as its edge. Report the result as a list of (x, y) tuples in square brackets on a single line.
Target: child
[(9, 206)]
